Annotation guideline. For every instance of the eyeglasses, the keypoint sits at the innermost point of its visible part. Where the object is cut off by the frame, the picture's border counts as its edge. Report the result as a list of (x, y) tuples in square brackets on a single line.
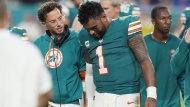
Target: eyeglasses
[(54, 22)]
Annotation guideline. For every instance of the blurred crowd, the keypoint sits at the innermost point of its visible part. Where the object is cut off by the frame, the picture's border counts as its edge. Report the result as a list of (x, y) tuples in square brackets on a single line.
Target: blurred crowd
[(23, 13)]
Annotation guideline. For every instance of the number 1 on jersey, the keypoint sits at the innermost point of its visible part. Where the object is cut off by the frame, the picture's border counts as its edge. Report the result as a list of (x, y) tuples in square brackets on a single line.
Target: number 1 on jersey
[(99, 53)]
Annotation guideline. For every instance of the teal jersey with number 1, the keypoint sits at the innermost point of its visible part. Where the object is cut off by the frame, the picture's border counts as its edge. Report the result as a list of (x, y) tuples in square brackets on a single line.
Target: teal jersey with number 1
[(115, 68)]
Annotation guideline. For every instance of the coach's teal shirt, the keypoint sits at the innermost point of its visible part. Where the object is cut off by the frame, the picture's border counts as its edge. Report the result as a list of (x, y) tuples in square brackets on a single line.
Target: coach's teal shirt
[(168, 91), (69, 60)]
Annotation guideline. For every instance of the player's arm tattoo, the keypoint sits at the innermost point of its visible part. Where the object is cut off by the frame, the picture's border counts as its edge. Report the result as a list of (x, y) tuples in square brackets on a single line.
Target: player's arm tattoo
[(139, 48)]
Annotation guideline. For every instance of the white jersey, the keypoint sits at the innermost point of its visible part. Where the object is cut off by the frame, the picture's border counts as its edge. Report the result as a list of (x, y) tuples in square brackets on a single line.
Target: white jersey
[(23, 75)]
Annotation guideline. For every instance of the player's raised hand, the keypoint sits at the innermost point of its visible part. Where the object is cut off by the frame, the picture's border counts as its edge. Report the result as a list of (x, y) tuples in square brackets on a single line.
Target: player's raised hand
[(150, 102)]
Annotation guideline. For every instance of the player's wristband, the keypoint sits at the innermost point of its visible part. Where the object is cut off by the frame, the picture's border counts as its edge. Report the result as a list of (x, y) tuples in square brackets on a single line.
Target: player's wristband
[(89, 102), (151, 92)]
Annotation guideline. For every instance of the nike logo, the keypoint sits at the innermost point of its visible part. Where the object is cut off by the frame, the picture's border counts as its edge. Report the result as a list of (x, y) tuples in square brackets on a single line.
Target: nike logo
[(130, 102)]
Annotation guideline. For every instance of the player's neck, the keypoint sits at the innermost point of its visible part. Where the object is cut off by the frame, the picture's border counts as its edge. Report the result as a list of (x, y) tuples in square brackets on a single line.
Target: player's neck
[(52, 35), (109, 21), (116, 16), (160, 37)]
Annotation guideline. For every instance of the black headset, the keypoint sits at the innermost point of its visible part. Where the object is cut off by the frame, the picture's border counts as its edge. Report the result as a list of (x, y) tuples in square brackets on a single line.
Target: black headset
[(59, 39)]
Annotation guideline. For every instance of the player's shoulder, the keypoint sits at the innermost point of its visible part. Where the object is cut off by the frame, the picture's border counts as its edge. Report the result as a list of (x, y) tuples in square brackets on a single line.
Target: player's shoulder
[(40, 39), (73, 37), (14, 42), (129, 18), (175, 37), (17, 30), (147, 37), (83, 35), (82, 32), (132, 23), (73, 33), (20, 32)]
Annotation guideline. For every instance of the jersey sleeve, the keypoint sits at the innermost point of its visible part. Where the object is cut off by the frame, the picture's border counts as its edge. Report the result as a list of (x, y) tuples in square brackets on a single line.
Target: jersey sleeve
[(81, 54), (180, 58), (19, 31), (185, 18), (81, 37), (134, 26), (81, 59)]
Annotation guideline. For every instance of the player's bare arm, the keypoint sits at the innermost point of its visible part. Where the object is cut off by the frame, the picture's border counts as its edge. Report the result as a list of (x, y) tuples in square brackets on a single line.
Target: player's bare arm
[(138, 47), (140, 51)]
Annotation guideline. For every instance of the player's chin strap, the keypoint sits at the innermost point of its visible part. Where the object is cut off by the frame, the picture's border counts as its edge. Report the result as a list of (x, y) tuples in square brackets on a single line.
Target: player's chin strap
[(151, 92)]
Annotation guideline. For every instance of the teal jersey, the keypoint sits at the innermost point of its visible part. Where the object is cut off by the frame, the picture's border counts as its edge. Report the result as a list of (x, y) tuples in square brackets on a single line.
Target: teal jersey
[(72, 14), (20, 32), (129, 9), (185, 18), (180, 65), (17, 30), (66, 61), (168, 91), (115, 68)]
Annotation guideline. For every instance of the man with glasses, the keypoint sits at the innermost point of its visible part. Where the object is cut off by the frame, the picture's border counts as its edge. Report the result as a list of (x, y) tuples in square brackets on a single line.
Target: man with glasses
[(63, 56)]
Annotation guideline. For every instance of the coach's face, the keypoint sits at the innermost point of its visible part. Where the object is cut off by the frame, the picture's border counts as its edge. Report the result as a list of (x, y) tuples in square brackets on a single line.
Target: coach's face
[(55, 22), (163, 21), (96, 26)]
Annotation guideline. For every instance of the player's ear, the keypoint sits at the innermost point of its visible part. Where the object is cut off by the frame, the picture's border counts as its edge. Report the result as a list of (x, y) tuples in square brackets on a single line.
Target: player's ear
[(44, 24), (103, 17), (153, 21)]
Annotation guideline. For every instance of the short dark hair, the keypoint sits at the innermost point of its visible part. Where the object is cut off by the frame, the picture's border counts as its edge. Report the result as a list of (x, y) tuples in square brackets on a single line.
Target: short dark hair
[(3, 8), (89, 10), (46, 8), (155, 10)]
